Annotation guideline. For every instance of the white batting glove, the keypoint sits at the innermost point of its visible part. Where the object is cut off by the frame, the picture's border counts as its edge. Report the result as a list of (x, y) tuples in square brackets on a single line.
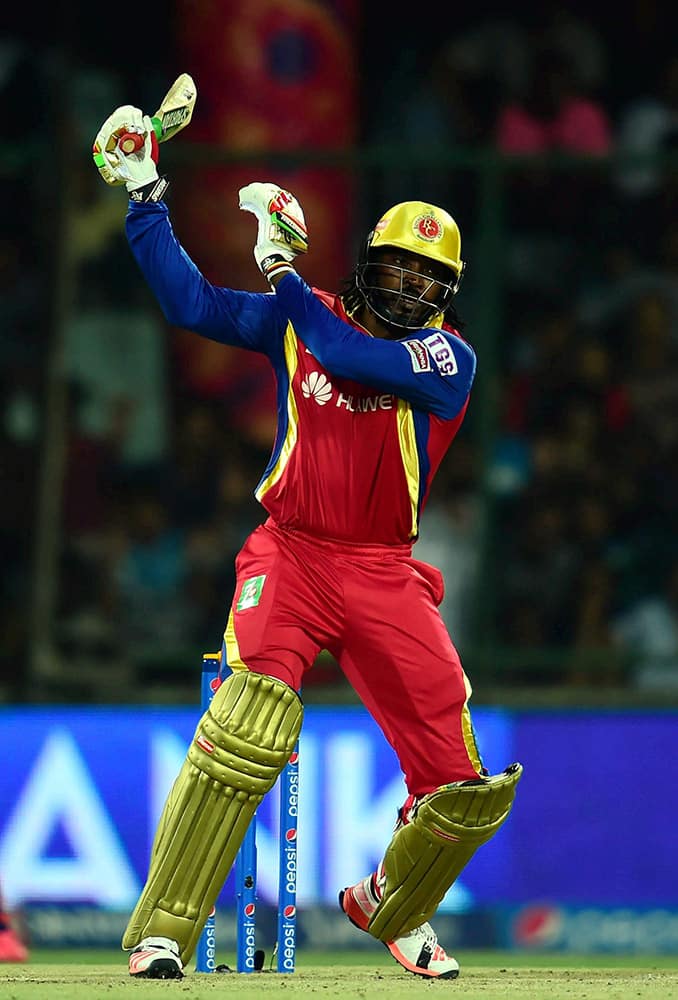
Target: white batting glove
[(281, 234), (137, 170)]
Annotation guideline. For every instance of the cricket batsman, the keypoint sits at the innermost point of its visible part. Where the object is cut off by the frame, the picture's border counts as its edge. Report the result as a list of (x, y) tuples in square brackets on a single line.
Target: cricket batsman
[(373, 383)]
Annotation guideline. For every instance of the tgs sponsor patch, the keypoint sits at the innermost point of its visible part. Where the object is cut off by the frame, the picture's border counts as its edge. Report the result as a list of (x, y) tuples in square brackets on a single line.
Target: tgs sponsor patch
[(441, 351), (421, 361)]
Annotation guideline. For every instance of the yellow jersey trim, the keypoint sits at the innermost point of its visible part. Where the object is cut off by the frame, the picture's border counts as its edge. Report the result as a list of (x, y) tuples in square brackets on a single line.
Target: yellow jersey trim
[(408, 450), (289, 444), (467, 729), (233, 658)]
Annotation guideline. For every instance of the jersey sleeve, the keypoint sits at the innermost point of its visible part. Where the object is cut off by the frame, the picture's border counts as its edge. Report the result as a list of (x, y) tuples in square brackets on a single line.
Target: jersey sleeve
[(432, 369), (188, 300)]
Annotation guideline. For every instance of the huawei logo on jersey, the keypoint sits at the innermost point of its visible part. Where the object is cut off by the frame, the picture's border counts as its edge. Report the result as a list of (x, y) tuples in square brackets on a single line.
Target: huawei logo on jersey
[(316, 385)]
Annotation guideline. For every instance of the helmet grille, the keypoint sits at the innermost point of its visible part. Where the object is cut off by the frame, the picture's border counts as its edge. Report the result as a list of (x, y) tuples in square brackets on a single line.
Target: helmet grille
[(402, 297)]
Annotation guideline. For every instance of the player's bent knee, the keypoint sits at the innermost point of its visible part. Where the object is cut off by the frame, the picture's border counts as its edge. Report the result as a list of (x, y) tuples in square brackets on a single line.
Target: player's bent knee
[(243, 739), (240, 746)]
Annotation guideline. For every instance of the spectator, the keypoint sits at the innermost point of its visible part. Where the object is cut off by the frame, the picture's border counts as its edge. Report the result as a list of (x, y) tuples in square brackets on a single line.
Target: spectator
[(648, 127), (12, 948), (647, 631), (628, 274), (151, 577), (651, 374), (538, 583), (444, 106), (554, 113), (450, 541), (115, 350)]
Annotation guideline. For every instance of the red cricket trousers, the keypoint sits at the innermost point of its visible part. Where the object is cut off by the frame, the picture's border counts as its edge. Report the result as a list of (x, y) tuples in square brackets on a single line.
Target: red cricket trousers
[(375, 609)]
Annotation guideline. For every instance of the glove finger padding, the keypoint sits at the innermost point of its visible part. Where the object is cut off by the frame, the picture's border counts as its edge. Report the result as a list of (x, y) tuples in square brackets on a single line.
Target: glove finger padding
[(133, 169), (107, 157), (282, 226)]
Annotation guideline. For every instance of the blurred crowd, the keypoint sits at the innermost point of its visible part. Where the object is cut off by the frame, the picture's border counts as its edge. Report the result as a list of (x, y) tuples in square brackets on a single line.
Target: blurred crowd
[(553, 518)]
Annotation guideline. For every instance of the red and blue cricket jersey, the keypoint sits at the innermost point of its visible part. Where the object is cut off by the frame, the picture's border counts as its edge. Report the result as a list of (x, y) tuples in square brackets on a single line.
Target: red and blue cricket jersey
[(363, 423)]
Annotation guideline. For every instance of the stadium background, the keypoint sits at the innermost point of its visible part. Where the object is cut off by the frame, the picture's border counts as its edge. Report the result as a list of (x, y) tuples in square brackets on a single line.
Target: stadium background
[(129, 451)]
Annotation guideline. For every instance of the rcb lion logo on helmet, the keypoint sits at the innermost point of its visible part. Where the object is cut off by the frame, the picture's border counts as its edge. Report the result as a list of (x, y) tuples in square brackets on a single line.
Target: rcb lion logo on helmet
[(428, 228)]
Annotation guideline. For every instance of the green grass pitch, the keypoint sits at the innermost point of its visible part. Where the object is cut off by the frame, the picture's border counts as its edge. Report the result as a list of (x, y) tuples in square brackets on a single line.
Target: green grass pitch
[(89, 975)]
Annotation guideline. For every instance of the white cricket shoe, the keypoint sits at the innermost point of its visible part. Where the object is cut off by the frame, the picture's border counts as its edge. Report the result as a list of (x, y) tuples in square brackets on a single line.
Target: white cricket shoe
[(156, 958), (417, 951), (420, 953)]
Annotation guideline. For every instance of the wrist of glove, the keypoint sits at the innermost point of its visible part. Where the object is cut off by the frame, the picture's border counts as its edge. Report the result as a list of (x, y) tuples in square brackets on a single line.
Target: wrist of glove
[(136, 170), (281, 232)]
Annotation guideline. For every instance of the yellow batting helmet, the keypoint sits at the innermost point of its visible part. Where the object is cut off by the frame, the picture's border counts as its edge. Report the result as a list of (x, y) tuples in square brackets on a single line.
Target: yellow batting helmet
[(417, 227), (400, 295)]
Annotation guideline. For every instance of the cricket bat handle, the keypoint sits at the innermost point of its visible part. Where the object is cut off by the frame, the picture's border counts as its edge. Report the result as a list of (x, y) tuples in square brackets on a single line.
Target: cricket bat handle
[(172, 116)]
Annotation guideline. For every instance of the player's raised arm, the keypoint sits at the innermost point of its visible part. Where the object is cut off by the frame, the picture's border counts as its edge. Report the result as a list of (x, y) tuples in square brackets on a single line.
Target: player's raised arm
[(281, 231), (431, 368), (187, 299)]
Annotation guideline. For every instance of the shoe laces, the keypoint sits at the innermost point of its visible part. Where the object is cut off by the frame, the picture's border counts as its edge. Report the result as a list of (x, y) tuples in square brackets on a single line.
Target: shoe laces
[(429, 938), (426, 934)]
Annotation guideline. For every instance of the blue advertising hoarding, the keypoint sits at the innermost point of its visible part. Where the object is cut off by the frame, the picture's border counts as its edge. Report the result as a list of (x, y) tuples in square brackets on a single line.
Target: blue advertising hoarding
[(594, 821)]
